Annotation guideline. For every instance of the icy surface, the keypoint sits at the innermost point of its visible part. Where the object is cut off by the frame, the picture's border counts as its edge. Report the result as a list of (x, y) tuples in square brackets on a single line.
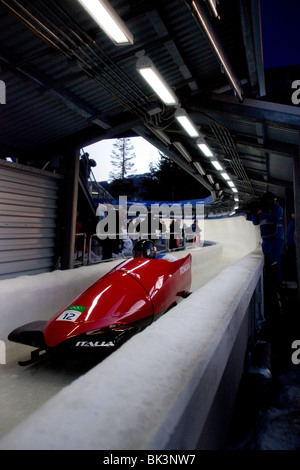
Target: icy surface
[(170, 348), (142, 388)]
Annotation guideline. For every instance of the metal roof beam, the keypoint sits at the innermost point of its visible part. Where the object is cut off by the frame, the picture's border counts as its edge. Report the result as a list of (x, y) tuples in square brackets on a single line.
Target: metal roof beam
[(278, 148), (94, 134), (256, 178), (251, 29), (259, 110)]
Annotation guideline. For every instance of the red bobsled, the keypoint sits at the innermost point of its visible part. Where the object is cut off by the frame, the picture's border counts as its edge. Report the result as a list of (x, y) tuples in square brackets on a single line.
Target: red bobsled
[(120, 304)]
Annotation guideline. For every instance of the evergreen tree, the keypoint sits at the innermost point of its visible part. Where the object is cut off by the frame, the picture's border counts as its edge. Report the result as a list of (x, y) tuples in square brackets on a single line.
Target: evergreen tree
[(166, 181), (169, 182), (121, 158)]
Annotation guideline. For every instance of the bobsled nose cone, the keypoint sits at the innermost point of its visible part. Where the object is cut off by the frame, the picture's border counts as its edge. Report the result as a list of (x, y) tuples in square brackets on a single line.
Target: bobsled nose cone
[(30, 334)]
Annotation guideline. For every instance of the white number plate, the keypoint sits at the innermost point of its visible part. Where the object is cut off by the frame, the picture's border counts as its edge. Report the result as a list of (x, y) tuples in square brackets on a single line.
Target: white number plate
[(71, 314)]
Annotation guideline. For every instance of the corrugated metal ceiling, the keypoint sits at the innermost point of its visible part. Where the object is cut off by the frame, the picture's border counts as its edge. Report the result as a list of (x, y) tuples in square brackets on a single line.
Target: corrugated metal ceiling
[(61, 73)]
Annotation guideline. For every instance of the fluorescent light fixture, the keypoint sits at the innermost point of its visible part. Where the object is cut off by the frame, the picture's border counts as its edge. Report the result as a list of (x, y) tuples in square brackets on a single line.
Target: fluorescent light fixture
[(183, 151), (204, 148), (186, 123), (217, 165), (108, 20), (231, 185), (201, 18), (210, 179), (199, 168), (213, 7), (161, 135), (225, 176), (152, 76)]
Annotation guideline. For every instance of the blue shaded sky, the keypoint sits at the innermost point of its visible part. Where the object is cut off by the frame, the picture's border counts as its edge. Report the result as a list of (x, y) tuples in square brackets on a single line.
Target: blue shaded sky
[(280, 32)]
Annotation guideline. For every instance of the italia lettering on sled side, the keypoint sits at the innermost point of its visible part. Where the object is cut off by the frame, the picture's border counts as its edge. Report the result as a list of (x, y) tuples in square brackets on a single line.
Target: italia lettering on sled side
[(95, 344)]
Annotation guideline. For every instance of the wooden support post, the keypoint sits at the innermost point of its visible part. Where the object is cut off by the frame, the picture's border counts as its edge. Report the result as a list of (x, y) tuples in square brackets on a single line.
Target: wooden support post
[(70, 209)]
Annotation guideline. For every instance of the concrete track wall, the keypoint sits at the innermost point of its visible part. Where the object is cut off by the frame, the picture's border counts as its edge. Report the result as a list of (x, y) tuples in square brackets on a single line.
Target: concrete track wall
[(30, 298), (159, 390)]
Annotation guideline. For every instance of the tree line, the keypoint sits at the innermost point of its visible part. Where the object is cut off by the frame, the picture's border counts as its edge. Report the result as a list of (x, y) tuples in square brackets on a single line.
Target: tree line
[(165, 181)]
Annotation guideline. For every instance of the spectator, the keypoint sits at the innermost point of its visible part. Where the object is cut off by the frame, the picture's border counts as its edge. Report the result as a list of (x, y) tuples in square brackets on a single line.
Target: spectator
[(269, 214), (196, 231), (85, 165), (127, 245), (175, 235)]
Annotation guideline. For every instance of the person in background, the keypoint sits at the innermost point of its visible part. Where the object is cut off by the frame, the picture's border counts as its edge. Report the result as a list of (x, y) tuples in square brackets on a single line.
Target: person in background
[(175, 234), (196, 231), (85, 165), (269, 216)]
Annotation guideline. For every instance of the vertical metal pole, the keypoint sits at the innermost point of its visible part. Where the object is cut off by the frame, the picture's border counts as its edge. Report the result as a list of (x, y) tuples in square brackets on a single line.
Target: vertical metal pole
[(70, 208), (297, 215)]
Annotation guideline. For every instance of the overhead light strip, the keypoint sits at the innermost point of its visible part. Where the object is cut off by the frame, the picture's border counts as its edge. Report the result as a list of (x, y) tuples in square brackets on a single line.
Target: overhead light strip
[(217, 165), (108, 20), (225, 176), (210, 179), (186, 123), (204, 148), (201, 18), (213, 7), (199, 168), (183, 151), (155, 80)]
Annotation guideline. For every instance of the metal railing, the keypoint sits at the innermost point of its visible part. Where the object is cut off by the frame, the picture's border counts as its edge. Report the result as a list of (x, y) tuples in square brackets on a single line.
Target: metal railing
[(80, 249), (89, 250)]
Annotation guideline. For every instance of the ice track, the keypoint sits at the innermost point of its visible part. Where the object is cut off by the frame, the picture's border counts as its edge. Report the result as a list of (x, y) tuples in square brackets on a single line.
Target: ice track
[(25, 389)]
